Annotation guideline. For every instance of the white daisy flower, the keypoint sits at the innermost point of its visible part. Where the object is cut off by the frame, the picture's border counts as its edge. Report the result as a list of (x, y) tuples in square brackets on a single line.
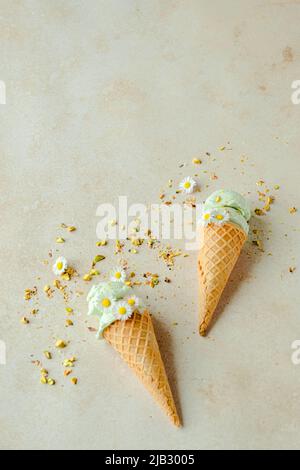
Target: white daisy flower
[(133, 301), (118, 275), (60, 266), (122, 310), (188, 185), (207, 217), (106, 302), (221, 217)]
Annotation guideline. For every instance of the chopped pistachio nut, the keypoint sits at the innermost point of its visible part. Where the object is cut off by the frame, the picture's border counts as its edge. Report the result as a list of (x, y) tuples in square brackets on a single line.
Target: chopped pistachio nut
[(102, 243), (137, 241), (34, 311), (51, 382), (94, 272), (69, 363), (60, 344), (71, 229), (69, 274), (87, 277), (293, 210), (25, 321), (60, 240), (48, 355), (222, 148), (98, 259), (69, 310), (43, 380), (197, 161), (44, 372), (48, 291), (259, 244), (29, 293), (119, 247), (259, 212), (168, 255), (269, 200), (69, 323), (57, 284), (276, 187)]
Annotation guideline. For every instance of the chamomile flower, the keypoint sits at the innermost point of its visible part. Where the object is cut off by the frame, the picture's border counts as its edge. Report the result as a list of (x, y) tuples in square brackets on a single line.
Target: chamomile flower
[(118, 275), (60, 266), (221, 217), (107, 303), (133, 301), (207, 217), (122, 310), (188, 185), (101, 304)]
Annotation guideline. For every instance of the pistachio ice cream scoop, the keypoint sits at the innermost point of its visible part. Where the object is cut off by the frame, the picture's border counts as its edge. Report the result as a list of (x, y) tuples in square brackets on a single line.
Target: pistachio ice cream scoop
[(227, 206)]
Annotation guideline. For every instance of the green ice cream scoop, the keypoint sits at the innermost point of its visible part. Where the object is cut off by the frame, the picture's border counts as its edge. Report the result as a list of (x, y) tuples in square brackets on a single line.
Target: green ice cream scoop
[(236, 206)]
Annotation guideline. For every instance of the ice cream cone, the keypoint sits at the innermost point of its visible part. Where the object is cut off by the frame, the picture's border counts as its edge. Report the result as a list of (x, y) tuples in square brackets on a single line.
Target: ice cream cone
[(136, 343), (220, 249)]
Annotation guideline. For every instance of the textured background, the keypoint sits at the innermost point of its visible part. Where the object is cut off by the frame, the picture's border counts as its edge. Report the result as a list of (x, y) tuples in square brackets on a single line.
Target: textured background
[(108, 98)]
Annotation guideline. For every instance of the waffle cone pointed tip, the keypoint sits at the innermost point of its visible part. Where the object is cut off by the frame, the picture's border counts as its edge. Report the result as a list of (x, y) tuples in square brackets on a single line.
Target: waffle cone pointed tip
[(203, 329)]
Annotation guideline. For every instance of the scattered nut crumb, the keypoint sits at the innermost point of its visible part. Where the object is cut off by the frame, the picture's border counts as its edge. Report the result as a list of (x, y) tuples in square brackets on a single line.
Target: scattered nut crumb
[(293, 210), (102, 243), (259, 212)]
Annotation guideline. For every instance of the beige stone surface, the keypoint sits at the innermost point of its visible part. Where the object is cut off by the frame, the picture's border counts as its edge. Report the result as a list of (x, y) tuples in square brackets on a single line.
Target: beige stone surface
[(109, 98)]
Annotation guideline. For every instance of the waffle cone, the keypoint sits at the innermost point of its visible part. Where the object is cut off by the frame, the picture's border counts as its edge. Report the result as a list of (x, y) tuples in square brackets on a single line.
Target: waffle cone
[(136, 343), (220, 249)]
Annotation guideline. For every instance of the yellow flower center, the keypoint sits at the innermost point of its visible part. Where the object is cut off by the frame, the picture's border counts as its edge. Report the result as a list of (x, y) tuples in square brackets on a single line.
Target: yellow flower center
[(60, 266), (131, 302), (118, 275), (206, 216), (106, 303), (187, 185), (220, 217), (122, 311), (218, 199)]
